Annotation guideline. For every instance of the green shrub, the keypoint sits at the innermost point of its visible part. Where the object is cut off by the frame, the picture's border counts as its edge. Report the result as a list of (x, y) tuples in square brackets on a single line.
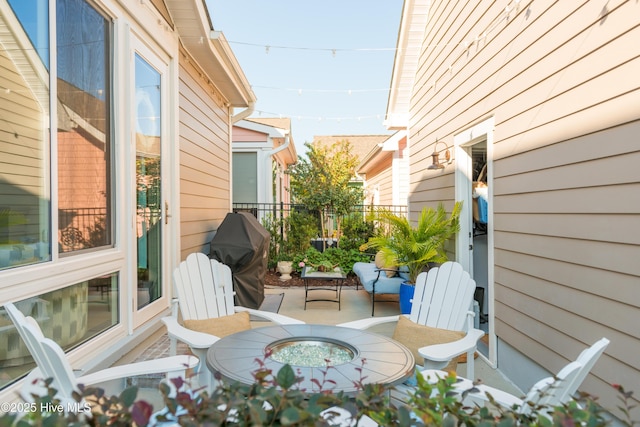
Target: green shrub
[(276, 400), (289, 236), (355, 231), (344, 258)]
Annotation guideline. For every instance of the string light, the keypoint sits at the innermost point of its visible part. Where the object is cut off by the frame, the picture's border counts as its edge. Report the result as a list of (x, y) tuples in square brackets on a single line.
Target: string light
[(505, 16), (301, 90), (263, 113), (334, 51)]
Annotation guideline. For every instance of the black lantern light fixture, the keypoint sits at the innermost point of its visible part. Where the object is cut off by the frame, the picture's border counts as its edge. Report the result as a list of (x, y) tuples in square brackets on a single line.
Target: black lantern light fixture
[(435, 157)]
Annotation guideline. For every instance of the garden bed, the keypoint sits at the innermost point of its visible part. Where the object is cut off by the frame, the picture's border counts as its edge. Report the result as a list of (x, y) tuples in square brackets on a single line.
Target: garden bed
[(272, 280)]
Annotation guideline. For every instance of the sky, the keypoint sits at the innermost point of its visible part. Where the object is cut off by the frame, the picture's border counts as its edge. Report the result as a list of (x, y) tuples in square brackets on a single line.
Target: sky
[(326, 64)]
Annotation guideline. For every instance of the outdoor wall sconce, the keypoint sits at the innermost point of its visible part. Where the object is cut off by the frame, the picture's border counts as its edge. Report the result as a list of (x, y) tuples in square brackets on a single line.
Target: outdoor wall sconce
[(435, 157)]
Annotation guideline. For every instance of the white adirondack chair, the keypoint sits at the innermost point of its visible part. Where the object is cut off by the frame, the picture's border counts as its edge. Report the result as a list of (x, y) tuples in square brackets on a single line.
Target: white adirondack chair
[(52, 363), (550, 391), (204, 290), (443, 299)]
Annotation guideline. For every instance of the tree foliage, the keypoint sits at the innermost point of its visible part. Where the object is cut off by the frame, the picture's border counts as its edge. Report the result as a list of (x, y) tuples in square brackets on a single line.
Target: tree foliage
[(322, 180), (417, 246)]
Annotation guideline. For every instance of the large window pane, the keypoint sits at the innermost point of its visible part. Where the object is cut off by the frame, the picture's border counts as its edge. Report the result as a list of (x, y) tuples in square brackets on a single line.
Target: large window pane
[(245, 177), (24, 134), (69, 316), (84, 137)]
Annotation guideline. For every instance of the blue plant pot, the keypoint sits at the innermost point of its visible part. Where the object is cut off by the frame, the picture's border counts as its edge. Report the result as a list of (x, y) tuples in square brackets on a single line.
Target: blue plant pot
[(406, 295)]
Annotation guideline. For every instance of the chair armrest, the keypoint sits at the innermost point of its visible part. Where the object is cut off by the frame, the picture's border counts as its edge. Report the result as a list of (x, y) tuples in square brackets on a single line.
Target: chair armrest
[(177, 364), (369, 322), (450, 350), (274, 317), (192, 338), (175, 307), (434, 375)]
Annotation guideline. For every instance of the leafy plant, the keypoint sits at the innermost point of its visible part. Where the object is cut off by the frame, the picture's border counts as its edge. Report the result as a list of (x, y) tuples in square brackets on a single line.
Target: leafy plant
[(355, 231), (416, 247), (331, 257), (290, 236), (275, 399)]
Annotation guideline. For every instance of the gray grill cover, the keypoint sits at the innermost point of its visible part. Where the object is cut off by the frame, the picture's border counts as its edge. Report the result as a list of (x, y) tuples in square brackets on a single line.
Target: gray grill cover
[(242, 243)]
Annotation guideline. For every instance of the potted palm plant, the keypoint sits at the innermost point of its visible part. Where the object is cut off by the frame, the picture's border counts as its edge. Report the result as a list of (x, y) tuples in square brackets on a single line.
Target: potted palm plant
[(415, 248)]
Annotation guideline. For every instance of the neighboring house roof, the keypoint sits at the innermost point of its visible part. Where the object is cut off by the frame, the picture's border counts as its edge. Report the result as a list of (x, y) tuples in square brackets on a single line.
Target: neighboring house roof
[(415, 14), (277, 130), (361, 144), (282, 123), (210, 50), (289, 155), (380, 151)]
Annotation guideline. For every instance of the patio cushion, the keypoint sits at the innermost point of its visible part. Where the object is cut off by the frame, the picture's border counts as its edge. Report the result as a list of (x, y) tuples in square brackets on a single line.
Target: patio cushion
[(221, 326), (379, 261), (369, 274), (415, 336)]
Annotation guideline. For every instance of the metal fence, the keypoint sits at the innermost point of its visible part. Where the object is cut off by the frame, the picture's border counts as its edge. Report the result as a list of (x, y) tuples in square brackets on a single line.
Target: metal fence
[(82, 228), (279, 211)]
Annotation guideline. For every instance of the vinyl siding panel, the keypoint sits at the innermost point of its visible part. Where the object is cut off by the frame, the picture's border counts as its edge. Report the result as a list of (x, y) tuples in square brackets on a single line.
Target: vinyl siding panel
[(560, 82), (384, 183), (204, 160)]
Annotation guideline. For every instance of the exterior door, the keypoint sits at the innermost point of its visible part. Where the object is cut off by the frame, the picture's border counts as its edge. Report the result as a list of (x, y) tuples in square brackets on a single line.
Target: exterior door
[(148, 133), (474, 244)]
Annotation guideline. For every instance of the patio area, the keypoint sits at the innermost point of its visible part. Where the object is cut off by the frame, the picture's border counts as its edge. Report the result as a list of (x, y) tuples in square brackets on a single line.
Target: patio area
[(356, 304)]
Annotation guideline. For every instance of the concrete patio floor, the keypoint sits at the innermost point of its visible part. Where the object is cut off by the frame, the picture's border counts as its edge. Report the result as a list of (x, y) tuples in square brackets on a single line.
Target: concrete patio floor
[(356, 304)]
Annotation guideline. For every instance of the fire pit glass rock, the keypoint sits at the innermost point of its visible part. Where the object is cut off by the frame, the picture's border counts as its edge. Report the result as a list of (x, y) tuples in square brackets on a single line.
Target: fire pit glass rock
[(312, 352)]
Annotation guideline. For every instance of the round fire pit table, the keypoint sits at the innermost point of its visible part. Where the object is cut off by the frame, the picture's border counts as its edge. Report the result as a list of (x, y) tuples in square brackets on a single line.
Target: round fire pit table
[(353, 355)]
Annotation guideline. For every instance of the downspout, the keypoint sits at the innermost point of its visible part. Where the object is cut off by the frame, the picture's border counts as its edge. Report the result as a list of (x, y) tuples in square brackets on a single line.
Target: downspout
[(282, 147), (244, 113)]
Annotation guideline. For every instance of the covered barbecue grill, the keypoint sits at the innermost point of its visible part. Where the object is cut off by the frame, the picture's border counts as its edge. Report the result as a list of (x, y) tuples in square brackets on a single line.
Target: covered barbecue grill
[(242, 243)]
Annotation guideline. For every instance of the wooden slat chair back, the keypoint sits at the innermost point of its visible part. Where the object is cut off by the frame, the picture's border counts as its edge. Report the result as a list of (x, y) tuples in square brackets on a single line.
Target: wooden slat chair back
[(53, 363), (48, 362), (204, 288), (550, 391), (587, 358), (443, 298)]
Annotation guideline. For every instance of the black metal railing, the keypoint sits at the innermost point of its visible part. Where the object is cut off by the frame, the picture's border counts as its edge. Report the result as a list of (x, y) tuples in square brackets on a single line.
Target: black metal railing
[(279, 211)]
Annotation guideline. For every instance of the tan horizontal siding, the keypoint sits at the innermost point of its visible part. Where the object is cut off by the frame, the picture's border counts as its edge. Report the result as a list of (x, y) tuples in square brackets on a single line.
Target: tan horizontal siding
[(620, 140), (204, 160), (383, 180), (605, 199), (581, 226), (604, 255), (605, 283), (574, 175), (202, 166), (570, 309), (560, 81)]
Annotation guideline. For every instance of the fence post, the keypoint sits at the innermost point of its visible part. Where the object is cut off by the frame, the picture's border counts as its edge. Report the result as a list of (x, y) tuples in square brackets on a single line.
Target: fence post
[(281, 221)]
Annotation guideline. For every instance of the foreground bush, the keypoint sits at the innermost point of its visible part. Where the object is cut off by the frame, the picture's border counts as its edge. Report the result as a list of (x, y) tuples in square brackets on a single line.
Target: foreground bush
[(275, 400)]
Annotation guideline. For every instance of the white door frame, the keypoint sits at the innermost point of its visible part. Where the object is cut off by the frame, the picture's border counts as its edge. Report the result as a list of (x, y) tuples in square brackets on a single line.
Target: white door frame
[(463, 177), (164, 66)]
